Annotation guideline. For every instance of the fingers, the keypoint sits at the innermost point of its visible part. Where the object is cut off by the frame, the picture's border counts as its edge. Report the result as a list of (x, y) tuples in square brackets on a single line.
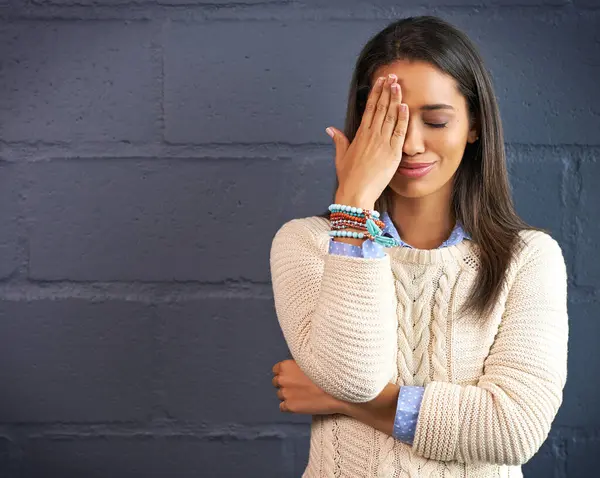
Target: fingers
[(391, 116), (383, 111), (399, 132), (280, 395), (372, 101)]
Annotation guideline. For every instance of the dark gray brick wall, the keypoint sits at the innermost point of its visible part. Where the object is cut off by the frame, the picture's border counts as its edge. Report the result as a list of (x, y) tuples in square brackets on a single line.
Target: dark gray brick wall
[(9, 218), (140, 138)]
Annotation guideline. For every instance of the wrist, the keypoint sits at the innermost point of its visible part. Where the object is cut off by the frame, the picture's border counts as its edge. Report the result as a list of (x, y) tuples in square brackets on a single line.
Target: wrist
[(379, 417), (348, 408), (356, 200)]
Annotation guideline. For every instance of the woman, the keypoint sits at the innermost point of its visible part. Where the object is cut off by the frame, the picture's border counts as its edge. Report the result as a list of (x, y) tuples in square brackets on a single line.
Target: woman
[(429, 339)]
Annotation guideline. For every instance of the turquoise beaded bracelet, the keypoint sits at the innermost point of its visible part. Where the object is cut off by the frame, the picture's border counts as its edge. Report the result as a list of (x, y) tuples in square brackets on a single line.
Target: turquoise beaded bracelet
[(373, 233), (354, 211), (352, 234)]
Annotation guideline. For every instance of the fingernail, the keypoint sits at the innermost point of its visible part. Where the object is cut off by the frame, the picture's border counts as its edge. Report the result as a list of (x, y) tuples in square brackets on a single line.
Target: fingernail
[(403, 108), (329, 132)]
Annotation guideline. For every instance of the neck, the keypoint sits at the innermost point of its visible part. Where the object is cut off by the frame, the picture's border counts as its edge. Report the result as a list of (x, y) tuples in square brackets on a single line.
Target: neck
[(423, 223)]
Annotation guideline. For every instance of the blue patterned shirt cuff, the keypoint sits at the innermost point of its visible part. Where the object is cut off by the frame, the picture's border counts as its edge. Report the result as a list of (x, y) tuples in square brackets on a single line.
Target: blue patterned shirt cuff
[(407, 413), (368, 250)]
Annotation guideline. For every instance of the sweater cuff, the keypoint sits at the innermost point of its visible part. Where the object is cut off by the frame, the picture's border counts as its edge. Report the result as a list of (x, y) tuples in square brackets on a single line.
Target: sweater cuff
[(436, 436)]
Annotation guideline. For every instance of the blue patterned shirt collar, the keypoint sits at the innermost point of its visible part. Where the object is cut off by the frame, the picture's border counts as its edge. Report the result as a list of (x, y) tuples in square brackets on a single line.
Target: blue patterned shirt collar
[(457, 235)]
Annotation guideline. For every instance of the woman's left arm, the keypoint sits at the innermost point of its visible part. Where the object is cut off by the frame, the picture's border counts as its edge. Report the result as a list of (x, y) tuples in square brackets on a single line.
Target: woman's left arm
[(507, 415)]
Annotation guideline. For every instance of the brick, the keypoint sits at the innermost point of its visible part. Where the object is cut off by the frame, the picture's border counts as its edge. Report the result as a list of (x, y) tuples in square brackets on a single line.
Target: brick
[(587, 268), (348, 4), (181, 456), (79, 81), (536, 181), (582, 456), (587, 3), (75, 361), (206, 220), (295, 95), (9, 211), (223, 3), (579, 404), (10, 458), (263, 91), (541, 100), (215, 359), (5, 458)]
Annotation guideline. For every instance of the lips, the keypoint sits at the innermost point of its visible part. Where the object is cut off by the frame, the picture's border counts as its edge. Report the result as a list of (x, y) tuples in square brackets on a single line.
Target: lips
[(415, 165), (414, 170)]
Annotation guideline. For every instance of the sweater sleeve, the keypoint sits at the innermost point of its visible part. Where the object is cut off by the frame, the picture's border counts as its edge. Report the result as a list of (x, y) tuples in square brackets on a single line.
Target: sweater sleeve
[(336, 312), (506, 417)]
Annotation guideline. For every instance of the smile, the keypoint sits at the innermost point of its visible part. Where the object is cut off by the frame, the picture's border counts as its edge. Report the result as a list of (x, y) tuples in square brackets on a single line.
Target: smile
[(415, 170)]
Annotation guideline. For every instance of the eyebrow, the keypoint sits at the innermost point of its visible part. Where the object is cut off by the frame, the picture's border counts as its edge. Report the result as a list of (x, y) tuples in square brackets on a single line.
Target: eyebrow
[(437, 106)]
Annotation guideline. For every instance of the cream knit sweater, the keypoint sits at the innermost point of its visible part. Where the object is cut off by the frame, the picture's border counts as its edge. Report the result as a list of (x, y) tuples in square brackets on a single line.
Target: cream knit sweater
[(492, 384)]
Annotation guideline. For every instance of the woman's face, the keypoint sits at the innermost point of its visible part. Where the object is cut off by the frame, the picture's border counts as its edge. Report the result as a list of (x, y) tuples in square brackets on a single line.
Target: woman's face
[(438, 129)]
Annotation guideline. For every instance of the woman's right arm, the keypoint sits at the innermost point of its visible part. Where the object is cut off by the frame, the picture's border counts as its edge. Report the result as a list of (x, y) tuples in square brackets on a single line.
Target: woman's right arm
[(337, 313)]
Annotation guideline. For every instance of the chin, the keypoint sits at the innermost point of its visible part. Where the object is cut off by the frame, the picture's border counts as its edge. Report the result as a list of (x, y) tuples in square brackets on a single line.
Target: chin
[(411, 188)]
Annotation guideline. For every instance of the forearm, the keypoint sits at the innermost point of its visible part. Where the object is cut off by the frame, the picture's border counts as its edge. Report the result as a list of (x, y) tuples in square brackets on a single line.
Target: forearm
[(378, 413), (337, 314)]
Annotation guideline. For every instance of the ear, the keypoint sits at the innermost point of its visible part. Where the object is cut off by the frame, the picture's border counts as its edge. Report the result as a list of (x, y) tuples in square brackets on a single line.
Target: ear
[(473, 136)]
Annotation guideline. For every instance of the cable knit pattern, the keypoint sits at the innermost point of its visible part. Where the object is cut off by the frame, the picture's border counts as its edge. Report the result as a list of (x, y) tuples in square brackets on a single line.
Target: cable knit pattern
[(438, 328), (492, 384), (421, 329)]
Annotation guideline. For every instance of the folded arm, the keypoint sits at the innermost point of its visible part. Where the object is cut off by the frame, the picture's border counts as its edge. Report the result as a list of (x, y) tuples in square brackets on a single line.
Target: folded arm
[(337, 313), (507, 415)]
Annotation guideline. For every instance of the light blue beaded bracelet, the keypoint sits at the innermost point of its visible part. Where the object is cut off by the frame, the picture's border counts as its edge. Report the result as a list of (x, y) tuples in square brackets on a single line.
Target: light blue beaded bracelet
[(354, 211), (355, 235)]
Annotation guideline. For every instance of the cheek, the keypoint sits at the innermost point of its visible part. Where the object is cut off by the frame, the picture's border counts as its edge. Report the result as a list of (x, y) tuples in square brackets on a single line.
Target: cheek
[(449, 146), (448, 143)]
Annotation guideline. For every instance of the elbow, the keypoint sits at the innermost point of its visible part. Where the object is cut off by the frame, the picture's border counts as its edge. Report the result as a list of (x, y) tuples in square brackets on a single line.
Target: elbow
[(347, 386), (528, 444), (519, 457), (533, 431), (524, 443), (364, 392), (515, 452), (511, 444)]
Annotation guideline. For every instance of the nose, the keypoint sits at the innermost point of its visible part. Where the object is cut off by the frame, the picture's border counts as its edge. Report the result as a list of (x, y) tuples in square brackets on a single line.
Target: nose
[(413, 142)]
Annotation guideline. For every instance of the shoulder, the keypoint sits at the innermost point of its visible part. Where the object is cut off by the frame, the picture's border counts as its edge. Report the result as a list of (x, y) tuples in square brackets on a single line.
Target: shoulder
[(302, 228), (539, 250), (301, 231), (534, 243)]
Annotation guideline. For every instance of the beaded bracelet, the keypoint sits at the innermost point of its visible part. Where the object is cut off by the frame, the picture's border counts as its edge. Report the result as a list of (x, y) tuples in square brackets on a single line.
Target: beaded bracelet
[(373, 231), (355, 211), (339, 218), (351, 215)]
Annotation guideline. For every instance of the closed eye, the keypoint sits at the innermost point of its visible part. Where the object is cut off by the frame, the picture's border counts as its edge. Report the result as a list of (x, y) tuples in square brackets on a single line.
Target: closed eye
[(437, 125)]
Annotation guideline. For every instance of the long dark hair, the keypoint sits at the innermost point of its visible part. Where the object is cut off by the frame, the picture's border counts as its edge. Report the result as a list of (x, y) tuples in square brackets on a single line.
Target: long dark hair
[(481, 196)]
